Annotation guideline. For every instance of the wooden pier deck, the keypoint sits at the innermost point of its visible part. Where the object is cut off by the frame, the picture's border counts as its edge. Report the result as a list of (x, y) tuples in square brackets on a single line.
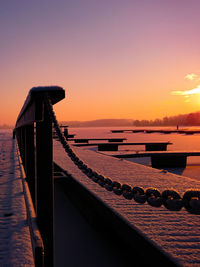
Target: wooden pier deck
[(113, 146), (169, 159), (174, 234), (15, 240), (86, 140), (156, 131)]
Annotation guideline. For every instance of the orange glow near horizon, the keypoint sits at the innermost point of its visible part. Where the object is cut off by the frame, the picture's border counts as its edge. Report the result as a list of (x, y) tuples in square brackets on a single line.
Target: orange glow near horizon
[(88, 104), (116, 59)]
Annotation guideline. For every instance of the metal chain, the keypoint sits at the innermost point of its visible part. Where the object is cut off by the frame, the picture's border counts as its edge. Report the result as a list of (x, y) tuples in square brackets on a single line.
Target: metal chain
[(170, 199)]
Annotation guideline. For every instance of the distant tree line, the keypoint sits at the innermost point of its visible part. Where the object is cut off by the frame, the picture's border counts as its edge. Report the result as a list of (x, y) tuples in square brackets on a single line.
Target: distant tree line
[(192, 119), (99, 123), (6, 126)]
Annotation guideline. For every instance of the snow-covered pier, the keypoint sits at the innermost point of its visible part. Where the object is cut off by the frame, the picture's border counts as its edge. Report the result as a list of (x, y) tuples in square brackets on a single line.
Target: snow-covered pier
[(138, 213), (159, 234), (173, 236)]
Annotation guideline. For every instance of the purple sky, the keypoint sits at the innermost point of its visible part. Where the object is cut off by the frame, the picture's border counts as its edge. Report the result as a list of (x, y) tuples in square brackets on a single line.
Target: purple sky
[(116, 59)]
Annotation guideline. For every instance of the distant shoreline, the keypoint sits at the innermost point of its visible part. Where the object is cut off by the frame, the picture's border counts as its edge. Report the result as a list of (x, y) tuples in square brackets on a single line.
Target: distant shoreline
[(182, 120), (191, 119), (7, 127)]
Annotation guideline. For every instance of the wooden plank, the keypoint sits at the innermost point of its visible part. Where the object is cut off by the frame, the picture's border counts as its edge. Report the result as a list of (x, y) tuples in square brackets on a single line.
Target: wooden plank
[(79, 140), (166, 159), (116, 140), (86, 140), (126, 144), (108, 147), (139, 154), (156, 147), (113, 146), (169, 161), (158, 131), (30, 160), (133, 131), (117, 131)]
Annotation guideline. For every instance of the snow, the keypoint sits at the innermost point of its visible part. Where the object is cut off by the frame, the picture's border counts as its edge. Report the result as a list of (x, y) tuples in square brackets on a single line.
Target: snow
[(15, 242), (177, 234)]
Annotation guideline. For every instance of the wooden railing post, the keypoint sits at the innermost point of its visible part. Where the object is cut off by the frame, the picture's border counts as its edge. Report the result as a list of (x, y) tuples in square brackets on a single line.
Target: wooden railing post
[(30, 159), (37, 158), (19, 139), (22, 136), (45, 188)]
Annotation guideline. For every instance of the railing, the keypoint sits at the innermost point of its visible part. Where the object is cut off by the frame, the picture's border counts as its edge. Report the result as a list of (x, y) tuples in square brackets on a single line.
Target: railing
[(33, 132), (169, 198)]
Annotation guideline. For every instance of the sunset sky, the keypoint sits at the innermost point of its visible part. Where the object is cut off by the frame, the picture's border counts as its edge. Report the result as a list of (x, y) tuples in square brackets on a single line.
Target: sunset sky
[(135, 59)]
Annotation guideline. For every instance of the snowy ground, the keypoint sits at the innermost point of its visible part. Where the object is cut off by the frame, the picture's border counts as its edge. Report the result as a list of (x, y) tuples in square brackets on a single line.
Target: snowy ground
[(15, 242)]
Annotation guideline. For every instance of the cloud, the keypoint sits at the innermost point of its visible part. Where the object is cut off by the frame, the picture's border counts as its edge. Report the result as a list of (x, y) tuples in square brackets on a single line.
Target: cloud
[(191, 92), (187, 94), (191, 76)]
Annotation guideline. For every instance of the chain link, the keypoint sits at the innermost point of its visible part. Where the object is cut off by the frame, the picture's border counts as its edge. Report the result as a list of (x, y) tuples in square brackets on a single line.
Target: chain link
[(170, 199)]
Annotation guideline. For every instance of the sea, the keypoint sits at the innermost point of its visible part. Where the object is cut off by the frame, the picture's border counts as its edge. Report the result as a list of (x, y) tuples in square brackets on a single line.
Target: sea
[(180, 142)]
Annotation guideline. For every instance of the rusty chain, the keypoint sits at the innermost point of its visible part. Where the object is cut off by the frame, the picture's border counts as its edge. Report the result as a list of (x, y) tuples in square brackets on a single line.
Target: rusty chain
[(169, 198)]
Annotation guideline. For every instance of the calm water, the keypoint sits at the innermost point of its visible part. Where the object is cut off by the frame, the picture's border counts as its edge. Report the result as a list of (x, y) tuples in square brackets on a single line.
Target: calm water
[(181, 142)]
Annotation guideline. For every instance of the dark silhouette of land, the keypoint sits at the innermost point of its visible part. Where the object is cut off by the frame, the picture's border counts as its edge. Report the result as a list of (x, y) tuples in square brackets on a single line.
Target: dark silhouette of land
[(191, 119), (6, 126)]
